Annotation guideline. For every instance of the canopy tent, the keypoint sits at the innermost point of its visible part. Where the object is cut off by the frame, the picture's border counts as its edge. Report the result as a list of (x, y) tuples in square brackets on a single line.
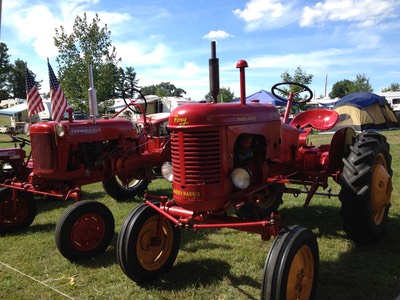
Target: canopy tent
[(364, 110), (13, 110), (264, 97)]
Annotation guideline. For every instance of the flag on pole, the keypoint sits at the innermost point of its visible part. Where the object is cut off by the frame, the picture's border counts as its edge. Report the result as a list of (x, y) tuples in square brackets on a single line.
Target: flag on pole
[(33, 98), (57, 98)]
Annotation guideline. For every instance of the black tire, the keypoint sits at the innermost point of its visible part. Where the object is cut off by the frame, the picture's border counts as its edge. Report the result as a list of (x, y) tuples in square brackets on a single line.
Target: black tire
[(291, 267), (120, 192), (366, 188), (140, 260), (84, 230), (14, 218)]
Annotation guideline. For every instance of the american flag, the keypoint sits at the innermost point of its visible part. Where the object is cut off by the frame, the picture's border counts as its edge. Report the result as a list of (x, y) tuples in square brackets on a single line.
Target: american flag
[(33, 99), (57, 98)]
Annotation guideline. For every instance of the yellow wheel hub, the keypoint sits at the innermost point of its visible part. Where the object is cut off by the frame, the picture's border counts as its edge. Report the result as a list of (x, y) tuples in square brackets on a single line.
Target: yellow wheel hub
[(155, 243), (381, 189), (301, 275)]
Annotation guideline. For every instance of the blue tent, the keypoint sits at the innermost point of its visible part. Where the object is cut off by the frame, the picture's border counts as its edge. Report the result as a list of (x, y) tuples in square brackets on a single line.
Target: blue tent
[(265, 97), (361, 100)]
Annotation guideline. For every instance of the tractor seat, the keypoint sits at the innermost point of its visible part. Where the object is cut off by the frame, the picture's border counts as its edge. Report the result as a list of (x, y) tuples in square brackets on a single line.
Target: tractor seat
[(320, 119)]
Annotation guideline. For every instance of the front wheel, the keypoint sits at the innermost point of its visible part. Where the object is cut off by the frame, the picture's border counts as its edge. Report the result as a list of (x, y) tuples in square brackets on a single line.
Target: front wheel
[(84, 230), (18, 213), (366, 183), (291, 267), (147, 244)]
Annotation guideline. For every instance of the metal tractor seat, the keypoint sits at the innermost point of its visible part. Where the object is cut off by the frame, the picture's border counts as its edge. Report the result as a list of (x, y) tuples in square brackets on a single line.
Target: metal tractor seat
[(320, 119)]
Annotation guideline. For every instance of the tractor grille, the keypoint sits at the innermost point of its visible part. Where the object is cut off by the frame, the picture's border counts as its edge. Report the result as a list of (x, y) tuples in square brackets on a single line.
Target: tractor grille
[(196, 157), (43, 152)]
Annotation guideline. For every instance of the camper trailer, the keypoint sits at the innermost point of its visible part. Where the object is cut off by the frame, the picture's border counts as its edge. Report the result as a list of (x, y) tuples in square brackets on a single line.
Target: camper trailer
[(394, 100)]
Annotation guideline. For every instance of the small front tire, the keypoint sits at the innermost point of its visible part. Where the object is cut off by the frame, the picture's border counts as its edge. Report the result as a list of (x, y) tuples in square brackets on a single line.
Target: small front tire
[(147, 244), (84, 230), (291, 267)]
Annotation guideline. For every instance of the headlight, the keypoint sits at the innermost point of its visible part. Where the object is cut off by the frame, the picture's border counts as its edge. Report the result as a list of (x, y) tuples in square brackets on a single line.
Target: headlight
[(60, 130), (241, 178), (166, 171)]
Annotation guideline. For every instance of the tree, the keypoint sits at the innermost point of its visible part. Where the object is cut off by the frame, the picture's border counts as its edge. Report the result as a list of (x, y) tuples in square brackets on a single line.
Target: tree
[(341, 88), (164, 89), (344, 87), (88, 44), (361, 84), (5, 69), (301, 77), (393, 87), (127, 82), (225, 95)]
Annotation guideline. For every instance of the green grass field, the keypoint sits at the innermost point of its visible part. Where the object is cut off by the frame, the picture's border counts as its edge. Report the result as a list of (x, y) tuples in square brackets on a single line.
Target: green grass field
[(211, 264)]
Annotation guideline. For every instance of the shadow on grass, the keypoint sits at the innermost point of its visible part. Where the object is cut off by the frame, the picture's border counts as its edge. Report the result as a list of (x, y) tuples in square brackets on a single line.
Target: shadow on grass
[(204, 272)]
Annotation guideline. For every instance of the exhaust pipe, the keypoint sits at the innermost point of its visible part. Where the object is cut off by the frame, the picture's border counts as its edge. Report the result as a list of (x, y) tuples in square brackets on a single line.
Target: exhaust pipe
[(213, 64), (92, 96)]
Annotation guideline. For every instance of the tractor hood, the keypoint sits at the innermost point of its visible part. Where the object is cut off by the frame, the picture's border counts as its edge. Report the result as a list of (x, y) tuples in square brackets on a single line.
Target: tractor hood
[(221, 114)]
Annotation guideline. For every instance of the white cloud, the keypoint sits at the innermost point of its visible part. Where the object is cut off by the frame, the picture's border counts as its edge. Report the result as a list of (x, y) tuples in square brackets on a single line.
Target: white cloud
[(217, 34), (365, 13), (137, 54), (261, 14)]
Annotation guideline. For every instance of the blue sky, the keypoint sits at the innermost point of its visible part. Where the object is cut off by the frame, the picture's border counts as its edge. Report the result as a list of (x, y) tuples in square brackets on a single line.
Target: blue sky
[(169, 40)]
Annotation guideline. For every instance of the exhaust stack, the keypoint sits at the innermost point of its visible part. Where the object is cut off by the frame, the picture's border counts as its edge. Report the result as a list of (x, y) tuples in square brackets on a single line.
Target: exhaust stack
[(92, 96), (213, 64)]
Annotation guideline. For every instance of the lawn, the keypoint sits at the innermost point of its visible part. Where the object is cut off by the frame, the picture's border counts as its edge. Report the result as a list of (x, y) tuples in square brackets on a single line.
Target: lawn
[(211, 264)]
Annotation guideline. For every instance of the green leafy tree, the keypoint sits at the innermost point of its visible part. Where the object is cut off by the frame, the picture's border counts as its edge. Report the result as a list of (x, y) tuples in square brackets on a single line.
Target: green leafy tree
[(361, 84), (393, 87), (301, 77), (164, 89), (5, 69), (225, 95), (341, 88), (88, 44), (344, 87), (127, 82), (17, 79)]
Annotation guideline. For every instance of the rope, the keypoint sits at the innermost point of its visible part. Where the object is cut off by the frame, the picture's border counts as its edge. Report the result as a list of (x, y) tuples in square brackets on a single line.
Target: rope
[(42, 283)]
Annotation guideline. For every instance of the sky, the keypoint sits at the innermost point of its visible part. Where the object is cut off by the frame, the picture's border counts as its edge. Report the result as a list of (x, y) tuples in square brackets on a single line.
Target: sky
[(169, 40)]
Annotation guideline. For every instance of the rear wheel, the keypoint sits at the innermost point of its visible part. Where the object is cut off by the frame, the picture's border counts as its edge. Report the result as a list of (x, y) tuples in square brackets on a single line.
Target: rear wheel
[(16, 214), (366, 183), (147, 244), (84, 230), (291, 267), (124, 192)]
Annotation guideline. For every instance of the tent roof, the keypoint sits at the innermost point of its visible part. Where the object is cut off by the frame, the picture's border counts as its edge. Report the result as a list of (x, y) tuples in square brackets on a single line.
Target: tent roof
[(264, 97), (13, 110), (361, 100)]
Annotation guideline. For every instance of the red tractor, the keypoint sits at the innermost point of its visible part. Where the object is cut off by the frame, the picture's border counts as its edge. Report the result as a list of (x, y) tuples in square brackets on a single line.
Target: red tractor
[(231, 164), (69, 154)]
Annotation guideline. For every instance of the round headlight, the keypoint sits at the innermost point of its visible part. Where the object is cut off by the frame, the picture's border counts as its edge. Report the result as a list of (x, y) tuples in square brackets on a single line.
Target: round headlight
[(166, 171), (241, 178), (60, 130)]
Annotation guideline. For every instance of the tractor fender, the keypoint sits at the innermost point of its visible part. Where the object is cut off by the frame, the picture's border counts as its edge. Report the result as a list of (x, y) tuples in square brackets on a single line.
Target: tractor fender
[(339, 148)]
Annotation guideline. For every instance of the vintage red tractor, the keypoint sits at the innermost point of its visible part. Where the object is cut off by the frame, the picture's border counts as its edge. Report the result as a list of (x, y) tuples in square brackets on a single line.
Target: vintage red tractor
[(231, 164), (69, 154)]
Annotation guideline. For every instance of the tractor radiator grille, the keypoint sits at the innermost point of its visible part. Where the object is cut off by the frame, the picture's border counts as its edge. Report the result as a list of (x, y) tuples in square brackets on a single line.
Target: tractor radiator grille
[(196, 157), (43, 152)]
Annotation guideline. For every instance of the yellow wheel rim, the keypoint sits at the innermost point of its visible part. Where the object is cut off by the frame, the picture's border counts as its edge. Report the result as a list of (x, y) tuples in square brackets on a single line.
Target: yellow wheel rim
[(381, 189), (154, 250), (301, 275)]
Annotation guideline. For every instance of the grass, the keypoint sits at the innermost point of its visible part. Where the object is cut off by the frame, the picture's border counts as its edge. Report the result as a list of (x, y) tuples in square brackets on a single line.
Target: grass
[(211, 264)]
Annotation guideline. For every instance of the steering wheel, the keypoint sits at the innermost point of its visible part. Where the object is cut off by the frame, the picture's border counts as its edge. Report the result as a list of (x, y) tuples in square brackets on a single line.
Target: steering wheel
[(299, 88), (133, 90)]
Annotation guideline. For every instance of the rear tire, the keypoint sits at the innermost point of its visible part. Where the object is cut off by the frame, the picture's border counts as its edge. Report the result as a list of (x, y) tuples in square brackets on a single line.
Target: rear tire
[(142, 255), (120, 192), (18, 215), (366, 183), (291, 267), (84, 230)]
